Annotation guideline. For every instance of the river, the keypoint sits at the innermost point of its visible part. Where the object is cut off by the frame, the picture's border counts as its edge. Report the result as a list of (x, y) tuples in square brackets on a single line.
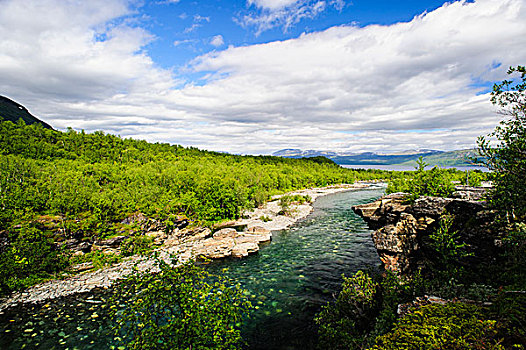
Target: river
[(288, 281)]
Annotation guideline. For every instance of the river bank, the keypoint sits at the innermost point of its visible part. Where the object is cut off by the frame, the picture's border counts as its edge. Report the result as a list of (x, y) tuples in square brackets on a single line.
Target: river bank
[(187, 244), (287, 282)]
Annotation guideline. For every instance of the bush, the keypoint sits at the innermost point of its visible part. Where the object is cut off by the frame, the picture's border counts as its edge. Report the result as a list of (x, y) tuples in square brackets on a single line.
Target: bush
[(178, 308), (137, 245), (97, 258), (287, 200), (29, 256), (450, 326), (506, 158), (345, 323), (435, 182), (448, 251)]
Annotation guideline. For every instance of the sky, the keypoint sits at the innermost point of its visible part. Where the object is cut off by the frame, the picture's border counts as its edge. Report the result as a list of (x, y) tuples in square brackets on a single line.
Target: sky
[(257, 76)]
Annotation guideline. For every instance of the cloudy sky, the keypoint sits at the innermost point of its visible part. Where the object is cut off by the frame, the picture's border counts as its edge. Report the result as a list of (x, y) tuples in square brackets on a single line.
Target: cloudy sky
[(256, 76)]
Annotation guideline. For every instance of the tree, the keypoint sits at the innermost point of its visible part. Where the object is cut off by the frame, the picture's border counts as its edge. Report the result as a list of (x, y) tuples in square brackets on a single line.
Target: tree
[(507, 157), (179, 308)]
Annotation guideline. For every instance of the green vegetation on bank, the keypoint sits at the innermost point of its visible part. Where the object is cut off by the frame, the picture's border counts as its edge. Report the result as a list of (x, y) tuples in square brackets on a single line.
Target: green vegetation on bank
[(437, 182)]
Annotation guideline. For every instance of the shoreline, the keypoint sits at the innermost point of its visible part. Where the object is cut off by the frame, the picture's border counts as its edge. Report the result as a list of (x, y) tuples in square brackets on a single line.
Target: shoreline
[(298, 211), (184, 248)]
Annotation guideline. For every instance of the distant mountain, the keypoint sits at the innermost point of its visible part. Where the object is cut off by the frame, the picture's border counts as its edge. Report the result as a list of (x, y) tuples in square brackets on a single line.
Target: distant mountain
[(462, 157), (409, 157), (12, 111)]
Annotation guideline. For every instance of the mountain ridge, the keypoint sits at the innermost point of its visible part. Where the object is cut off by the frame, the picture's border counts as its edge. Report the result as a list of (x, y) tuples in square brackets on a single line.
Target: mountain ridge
[(407, 157), (13, 111)]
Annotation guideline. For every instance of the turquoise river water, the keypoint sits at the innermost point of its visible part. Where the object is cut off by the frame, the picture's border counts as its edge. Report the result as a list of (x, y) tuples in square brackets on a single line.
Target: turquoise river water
[(287, 281)]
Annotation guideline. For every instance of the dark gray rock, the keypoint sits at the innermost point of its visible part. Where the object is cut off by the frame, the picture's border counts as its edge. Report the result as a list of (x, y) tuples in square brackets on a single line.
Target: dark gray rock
[(403, 230), (430, 206), (112, 242)]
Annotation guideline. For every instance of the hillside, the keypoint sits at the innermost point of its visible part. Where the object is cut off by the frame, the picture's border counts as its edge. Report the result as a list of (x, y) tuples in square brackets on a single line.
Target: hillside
[(409, 157), (12, 111), (454, 158)]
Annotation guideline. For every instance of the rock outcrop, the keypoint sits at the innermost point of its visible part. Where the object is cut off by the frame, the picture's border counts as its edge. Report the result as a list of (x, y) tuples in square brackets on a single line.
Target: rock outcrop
[(402, 229), (229, 242)]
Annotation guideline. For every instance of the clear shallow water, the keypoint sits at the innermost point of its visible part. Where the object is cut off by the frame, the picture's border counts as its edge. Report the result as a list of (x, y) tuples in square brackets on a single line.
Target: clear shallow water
[(287, 282)]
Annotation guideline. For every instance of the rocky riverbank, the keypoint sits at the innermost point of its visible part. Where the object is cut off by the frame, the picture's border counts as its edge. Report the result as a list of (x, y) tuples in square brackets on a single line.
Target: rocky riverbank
[(180, 244), (402, 229)]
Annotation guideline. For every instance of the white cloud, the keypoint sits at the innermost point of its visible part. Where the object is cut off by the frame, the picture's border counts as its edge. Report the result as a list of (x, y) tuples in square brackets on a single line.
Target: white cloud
[(217, 41), (408, 85), (167, 2), (272, 4), (197, 23), (283, 13), (182, 42)]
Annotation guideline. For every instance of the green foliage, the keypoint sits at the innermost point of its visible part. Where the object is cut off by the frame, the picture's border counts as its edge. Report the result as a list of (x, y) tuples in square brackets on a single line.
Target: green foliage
[(97, 258), (509, 309), (475, 177), (265, 218), (366, 307), (507, 157), (28, 257), (345, 323), (448, 251), (286, 201), (450, 326), (178, 308), (435, 182), (137, 245), (511, 268)]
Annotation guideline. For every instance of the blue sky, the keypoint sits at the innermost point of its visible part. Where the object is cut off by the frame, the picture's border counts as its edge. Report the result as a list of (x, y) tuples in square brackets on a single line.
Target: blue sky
[(256, 76), (185, 29), (172, 22)]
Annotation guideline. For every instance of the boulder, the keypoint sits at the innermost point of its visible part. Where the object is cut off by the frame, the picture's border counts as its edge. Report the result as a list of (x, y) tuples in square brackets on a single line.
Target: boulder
[(383, 211), (77, 245), (257, 229), (213, 248), (430, 206), (470, 193), (225, 233), (244, 249), (229, 242)]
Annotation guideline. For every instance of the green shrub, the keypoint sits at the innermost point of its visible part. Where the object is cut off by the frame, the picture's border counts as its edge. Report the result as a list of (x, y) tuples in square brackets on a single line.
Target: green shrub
[(265, 218), (450, 326), (287, 200), (435, 182), (509, 308), (448, 251), (345, 323), (137, 245), (98, 258), (178, 308), (30, 257), (506, 157)]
